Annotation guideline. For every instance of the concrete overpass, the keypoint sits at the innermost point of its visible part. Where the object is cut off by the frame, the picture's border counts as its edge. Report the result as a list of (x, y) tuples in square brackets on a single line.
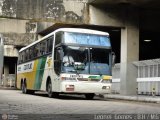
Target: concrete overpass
[(129, 22)]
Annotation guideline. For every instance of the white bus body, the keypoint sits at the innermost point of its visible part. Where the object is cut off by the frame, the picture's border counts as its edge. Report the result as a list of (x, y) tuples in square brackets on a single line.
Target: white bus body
[(41, 65)]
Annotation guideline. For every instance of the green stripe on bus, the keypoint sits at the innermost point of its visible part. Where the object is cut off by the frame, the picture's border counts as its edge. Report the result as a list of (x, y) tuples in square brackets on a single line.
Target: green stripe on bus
[(39, 73), (95, 77)]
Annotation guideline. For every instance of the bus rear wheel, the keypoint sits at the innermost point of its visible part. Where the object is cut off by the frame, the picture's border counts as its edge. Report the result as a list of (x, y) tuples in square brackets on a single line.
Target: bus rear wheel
[(89, 96), (24, 87), (25, 90)]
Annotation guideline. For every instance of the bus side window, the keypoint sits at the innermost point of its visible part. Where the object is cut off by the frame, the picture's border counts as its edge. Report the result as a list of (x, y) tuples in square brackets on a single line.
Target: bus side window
[(27, 54), (35, 52), (39, 49), (57, 61), (49, 44), (19, 58), (22, 57), (43, 47), (30, 53)]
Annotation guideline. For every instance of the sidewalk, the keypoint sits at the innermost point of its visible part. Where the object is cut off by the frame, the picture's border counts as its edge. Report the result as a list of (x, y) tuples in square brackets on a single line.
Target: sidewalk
[(7, 88), (140, 98)]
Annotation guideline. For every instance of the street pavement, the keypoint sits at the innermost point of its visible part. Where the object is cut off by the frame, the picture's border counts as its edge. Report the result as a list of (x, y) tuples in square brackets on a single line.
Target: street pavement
[(14, 103)]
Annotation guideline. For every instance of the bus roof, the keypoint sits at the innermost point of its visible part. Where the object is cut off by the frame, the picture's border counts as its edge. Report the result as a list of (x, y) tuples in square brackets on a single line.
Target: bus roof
[(77, 30), (82, 30)]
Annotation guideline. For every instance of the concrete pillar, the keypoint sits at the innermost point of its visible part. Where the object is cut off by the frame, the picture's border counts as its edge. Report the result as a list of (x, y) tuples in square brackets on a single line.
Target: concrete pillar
[(129, 52), (1, 57), (6, 74)]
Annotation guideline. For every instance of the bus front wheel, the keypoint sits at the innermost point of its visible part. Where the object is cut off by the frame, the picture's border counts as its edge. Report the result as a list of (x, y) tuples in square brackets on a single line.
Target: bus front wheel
[(49, 90), (50, 93), (89, 96)]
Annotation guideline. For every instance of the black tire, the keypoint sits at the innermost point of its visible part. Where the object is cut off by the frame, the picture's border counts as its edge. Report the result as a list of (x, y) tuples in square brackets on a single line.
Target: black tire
[(50, 93), (49, 89), (25, 90), (24, 87), (89, 96)]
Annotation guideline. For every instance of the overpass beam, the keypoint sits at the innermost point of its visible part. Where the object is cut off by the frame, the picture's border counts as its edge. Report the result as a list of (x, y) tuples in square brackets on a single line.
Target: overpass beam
[(129, 52)]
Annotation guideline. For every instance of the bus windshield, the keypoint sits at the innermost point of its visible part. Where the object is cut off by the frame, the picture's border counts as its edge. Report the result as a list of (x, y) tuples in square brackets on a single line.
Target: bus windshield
[(86, 39), (94, 60)]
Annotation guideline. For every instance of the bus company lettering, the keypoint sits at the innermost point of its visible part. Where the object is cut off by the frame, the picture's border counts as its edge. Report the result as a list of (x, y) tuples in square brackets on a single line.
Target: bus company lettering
[(19, 68), (28, 66)]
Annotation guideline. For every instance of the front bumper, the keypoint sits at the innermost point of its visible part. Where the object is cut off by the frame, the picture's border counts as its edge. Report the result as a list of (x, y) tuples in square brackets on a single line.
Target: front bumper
[(85, 87)]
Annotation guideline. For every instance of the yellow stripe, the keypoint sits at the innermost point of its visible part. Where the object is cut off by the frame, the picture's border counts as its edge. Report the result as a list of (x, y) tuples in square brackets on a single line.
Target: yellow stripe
[(30, 77), (105, 77)]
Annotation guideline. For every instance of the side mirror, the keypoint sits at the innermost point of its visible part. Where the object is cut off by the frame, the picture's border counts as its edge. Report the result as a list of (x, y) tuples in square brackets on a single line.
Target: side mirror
[(61, 53), (113, 58)]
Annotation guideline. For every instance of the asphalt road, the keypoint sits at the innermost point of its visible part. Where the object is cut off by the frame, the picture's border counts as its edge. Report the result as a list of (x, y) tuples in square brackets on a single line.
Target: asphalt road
[(13, 103)]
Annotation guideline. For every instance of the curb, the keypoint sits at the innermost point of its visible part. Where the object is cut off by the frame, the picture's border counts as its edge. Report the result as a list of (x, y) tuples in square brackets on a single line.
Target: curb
[(134, 98), (7, 88)]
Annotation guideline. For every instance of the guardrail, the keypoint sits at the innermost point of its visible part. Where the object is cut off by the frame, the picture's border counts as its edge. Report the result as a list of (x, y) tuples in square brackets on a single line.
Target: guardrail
[(148, 79)]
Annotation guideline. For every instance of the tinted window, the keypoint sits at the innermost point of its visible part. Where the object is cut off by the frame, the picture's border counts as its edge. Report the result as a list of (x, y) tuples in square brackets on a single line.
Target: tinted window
[(57, 61), (49, 44), (42, 48)]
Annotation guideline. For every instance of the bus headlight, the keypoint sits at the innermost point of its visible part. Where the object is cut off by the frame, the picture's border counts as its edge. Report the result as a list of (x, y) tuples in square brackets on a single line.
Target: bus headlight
[(106, 87)]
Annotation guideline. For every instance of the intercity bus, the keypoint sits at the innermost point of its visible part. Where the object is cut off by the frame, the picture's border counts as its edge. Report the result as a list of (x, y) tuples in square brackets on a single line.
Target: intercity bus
[(41, 65)]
